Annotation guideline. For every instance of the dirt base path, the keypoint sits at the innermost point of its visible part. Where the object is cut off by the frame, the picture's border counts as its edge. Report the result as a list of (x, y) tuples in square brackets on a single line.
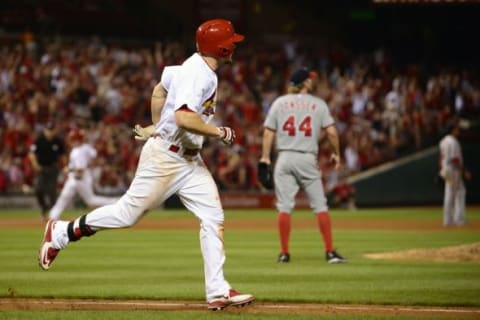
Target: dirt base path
[(256, 308)]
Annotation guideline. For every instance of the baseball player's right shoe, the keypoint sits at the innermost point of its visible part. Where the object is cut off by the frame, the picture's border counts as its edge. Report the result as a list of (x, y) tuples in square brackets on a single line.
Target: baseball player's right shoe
[(234, 298), (283, 257), (334, 257), (47, 252)]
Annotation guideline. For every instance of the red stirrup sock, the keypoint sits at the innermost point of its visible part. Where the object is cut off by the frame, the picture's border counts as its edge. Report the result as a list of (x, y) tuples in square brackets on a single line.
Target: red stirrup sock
[(284, 226), (325, 227)]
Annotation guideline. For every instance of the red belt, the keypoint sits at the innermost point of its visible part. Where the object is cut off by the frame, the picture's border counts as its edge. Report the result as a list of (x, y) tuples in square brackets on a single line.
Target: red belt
[(186, 152), (176, 149)]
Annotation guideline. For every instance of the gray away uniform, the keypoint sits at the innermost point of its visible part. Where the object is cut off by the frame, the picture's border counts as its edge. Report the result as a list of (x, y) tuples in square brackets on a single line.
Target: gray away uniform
[(298, 120)]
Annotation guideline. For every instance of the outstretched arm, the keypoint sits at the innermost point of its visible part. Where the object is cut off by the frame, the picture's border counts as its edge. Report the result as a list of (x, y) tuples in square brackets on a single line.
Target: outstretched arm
[(192, 122)]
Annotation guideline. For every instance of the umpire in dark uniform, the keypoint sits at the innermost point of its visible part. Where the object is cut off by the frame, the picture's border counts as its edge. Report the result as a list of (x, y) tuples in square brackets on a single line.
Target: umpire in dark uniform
[(45, 153)]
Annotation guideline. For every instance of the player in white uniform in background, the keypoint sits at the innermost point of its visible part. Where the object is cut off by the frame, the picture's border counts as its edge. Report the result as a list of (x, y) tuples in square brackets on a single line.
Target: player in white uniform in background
[(170, 162), (295, 122), (79, 177), (452, 171)]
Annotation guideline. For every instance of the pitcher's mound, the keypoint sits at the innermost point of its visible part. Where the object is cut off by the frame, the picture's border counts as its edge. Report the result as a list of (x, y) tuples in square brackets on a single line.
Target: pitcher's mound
[(462, 253)]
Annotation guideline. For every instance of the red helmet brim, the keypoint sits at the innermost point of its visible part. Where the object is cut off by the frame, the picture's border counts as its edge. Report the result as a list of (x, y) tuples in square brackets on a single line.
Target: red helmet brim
[(237, 38)]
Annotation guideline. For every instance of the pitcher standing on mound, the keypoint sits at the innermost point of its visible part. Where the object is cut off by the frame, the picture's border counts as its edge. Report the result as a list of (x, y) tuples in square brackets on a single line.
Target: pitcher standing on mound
[(170, 163)]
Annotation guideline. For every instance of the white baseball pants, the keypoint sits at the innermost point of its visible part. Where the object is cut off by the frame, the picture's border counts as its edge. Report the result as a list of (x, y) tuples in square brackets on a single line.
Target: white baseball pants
[(454, 200), (160, 174)]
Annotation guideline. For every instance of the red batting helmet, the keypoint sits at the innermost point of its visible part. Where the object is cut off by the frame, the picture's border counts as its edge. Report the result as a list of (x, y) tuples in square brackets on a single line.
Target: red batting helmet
[(76, 135), (217, 37)]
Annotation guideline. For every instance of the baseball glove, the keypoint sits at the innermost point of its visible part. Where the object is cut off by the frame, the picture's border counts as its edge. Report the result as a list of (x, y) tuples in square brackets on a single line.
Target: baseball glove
[(264, 172)]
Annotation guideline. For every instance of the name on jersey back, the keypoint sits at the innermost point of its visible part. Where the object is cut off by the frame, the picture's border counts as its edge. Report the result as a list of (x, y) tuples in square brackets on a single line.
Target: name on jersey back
[(301, 105)]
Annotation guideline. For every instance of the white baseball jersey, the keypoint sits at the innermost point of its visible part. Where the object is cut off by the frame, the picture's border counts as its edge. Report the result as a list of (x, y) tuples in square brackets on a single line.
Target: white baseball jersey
[(81, 156), (451, 152), (167, 76), (193, 85)]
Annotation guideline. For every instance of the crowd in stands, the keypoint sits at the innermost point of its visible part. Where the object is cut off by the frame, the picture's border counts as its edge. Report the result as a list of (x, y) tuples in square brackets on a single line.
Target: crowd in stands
[(382, 110)]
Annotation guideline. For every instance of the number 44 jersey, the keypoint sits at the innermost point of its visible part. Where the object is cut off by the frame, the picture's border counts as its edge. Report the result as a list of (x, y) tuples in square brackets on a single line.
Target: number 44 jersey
[(298, 120)]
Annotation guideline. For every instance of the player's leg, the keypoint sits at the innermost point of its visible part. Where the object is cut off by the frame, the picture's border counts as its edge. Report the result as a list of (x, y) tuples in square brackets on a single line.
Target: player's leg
[(64, 200), (152, 183), (286, 187), (124, 213), (148, 187), (157, 178), (51, 186), (448, 203), (459, 211), (199, 194), (318, 202), (310, 180), (40, 192)]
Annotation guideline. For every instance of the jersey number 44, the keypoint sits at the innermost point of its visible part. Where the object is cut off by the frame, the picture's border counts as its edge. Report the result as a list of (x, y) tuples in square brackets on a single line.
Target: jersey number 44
[(291, 127)]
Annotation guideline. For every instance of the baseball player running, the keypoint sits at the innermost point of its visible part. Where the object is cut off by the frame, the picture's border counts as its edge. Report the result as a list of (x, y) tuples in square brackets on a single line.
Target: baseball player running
[(295, 122), (79, 178), (170, 162)]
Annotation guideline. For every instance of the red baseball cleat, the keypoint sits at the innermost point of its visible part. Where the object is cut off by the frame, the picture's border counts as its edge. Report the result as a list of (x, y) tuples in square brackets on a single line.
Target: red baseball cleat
[(234, 298), (47, 252)]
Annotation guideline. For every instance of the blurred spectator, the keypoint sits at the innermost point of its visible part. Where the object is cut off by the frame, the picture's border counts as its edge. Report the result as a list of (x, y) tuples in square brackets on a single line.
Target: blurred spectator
[(382, 110), (109, 182), (351, 156)]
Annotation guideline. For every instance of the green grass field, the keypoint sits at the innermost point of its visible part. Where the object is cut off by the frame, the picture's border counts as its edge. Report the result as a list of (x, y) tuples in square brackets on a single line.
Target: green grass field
[(158, 264)]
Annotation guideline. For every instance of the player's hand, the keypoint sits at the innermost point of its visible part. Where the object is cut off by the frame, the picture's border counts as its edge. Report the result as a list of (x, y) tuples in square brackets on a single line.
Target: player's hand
[(335, 159), (141, 134), (226, 134)]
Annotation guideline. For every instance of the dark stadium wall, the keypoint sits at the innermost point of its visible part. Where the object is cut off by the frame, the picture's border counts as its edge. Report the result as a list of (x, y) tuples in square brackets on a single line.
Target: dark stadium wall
[(413, 183), (441, 31)]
